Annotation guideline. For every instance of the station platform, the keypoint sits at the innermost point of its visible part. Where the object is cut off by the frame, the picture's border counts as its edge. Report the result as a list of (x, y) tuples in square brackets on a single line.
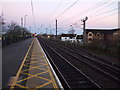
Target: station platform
[(35, 70)]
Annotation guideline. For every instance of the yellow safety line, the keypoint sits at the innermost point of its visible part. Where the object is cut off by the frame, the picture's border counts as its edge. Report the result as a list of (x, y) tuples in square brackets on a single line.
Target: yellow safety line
[(43, 85), (27, 60), (40, 76), (20, 86), (50, 73), (31, 76), (26, 64), (31, 67), (42, 64), (43, 60), (18, 73), (34, 58), (52, 78), (44, 78), (32, 62)]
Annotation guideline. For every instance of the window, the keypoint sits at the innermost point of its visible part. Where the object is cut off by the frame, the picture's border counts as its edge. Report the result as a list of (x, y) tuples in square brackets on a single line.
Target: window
[(90, 34), (98, 34), (90, 39)]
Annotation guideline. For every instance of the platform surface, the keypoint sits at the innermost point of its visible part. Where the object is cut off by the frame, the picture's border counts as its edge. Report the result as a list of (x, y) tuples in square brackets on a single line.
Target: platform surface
[(35, 70), (12, 57)]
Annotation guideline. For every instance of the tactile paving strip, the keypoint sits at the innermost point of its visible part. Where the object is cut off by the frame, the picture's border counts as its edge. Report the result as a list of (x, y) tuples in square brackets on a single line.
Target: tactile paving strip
[(34, 71)]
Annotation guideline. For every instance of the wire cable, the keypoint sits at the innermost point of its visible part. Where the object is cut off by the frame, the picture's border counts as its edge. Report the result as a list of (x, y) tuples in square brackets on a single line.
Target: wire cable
[(94, 8), (106, 12), (56, 9), (104, 7), (91, 8), (104, 17), (67, 9)]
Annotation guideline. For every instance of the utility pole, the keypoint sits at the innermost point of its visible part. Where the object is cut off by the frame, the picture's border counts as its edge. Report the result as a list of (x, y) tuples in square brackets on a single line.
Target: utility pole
[(21, 26), (84, 29), (30, 31), (56, 28), (46, 30), (50, 31)]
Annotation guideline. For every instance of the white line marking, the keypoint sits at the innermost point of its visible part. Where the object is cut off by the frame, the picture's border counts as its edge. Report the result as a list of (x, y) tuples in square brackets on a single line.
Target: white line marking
[(60, 85)]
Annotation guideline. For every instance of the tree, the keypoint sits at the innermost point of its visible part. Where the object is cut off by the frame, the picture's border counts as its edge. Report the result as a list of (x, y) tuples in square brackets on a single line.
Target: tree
[(12, 26), (2, 23), (16, 30), (1, 20), (71, 31)]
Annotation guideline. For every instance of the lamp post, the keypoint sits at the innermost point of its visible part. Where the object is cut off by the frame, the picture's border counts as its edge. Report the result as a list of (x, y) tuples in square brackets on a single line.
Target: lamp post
[(21, 27), (25, 21)]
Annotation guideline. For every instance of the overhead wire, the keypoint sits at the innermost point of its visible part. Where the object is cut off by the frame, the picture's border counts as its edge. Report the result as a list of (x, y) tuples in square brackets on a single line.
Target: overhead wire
[(91, 8), (100, 13), (67, 9), (106, 12), (49, 21), (104, 7), (104, 17), (103, 13), (55, 10)]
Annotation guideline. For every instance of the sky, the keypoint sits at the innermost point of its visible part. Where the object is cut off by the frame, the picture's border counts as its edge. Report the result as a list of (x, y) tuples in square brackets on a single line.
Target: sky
[(100, 13)]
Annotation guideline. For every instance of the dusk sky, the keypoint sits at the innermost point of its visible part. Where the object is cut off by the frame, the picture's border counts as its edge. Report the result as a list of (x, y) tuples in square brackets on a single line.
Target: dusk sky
[(101, 14)]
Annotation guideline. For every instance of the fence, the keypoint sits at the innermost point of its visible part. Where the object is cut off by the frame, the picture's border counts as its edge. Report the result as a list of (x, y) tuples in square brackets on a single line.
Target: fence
[(9, 40)]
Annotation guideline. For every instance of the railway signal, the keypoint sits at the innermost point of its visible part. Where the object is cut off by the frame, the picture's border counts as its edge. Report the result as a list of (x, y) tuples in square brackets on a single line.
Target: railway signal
[(84, 31)]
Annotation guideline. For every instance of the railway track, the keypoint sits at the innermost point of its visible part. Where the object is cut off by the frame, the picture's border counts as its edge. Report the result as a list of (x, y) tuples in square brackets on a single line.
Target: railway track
[(72, 76), (105, 75), (91, 55), (113, 71), (88, 54)]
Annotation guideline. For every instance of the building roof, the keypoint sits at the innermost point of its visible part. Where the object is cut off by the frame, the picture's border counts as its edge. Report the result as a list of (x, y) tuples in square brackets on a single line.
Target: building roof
[(79, 37), (68, 35), (103, 31)]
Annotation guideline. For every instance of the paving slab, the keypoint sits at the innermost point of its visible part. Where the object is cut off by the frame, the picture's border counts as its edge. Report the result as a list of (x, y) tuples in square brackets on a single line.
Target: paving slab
[(35, 70)]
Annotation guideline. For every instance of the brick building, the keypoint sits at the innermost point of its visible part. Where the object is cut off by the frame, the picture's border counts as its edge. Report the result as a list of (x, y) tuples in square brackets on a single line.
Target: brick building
[(91, 35)]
